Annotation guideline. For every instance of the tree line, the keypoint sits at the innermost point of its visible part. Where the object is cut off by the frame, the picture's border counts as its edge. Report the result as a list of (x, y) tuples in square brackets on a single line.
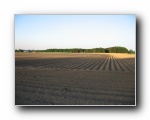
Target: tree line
[(117, 49)]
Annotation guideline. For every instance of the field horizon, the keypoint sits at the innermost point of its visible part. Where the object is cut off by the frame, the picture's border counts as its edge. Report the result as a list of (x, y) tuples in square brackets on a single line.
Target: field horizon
[(114, 49)]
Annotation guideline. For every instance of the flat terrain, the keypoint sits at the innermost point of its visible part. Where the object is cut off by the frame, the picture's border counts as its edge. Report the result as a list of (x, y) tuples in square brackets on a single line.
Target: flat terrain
[(74, 79)]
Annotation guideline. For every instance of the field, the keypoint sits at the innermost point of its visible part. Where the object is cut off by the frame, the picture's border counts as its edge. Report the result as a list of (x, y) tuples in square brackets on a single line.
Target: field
[(74, 79)]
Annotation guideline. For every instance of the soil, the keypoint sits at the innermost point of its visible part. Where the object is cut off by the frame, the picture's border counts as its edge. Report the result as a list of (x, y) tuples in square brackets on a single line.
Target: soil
[(74, 79)]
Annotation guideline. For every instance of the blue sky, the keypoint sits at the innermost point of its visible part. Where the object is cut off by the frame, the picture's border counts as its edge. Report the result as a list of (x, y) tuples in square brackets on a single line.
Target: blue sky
[(74, 31)]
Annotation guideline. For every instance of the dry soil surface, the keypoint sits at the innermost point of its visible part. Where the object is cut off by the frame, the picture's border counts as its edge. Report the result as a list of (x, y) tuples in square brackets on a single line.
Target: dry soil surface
[(74, 79)]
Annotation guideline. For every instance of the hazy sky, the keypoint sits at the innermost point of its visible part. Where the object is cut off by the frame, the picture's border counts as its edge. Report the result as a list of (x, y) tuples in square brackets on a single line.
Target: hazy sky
[(74, 31)]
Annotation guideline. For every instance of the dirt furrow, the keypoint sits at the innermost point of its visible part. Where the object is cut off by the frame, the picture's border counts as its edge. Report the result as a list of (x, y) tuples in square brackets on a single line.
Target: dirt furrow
[(130, 67), (69, 64), (41, 95), (97, 65), (122, 66), (60, 89), (104, 64), (108, 65), (113, 67), (100, 63), (127, 66), (84, 62), (89, 65), (118, 68), (47, 84)]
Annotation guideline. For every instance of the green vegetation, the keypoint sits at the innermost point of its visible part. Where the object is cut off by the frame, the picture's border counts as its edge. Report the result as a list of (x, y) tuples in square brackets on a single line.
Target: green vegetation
[(117, 49), (19, 50), (131, 52)]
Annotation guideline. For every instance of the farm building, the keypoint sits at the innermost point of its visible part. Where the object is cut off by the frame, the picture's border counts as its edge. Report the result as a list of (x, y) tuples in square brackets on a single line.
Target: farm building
[(26, 50)]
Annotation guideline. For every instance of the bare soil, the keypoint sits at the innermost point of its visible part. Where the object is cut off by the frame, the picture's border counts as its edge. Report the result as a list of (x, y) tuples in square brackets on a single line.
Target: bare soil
[(74, 79)]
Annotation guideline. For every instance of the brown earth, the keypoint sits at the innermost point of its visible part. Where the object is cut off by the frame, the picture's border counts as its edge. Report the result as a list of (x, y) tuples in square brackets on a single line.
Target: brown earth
[(74, 79)]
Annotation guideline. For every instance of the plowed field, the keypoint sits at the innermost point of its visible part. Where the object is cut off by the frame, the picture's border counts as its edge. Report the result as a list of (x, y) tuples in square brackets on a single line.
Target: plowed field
[(74, 79)]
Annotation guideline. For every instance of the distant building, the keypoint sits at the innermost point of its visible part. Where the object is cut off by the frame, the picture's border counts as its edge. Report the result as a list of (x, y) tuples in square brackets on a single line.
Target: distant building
[(26, 50)]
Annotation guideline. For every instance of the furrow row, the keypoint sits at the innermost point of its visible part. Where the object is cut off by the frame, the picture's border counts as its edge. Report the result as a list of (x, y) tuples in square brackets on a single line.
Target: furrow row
[(46, 96), (105, 63)]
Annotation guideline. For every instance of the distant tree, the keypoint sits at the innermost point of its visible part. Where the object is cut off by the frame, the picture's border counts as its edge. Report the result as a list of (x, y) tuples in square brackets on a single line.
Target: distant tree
[(19, 50), (116, 49), (131, 52), (75, 50)]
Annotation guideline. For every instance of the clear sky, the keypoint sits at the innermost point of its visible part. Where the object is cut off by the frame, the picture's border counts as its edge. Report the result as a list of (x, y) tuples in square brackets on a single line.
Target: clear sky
[(74, 31)]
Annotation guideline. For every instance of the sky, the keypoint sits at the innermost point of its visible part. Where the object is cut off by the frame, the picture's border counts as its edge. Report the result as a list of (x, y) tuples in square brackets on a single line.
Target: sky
[(41, 32)]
